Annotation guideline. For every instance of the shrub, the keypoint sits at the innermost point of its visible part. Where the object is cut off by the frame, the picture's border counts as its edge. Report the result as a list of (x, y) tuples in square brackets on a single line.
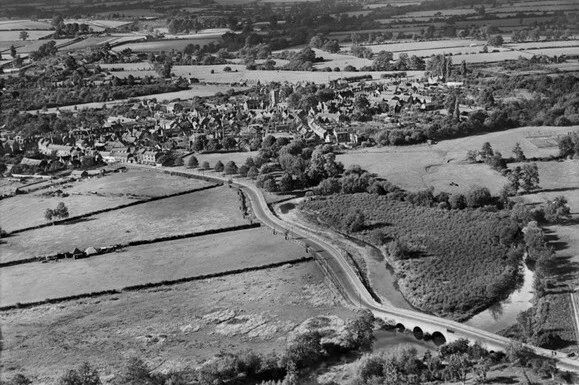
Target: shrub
[(219, 166), (205, 166)]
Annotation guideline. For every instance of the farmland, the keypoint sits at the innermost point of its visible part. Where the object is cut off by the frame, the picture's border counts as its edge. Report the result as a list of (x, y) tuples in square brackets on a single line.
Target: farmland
[(152, 263), (170, 325), (194, 212), (93, 194), (420, 166)]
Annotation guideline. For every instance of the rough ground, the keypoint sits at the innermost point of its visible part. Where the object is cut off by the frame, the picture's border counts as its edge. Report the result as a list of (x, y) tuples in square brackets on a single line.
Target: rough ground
[(172, 327)]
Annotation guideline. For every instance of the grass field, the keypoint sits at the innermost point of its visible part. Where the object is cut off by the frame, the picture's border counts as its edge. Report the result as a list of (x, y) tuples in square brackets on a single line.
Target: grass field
[(145, 264), (209, 209), (418, 167), (15, 35), (92, 194), (167, 45), (168, 326), (561, 178), (23, 24)]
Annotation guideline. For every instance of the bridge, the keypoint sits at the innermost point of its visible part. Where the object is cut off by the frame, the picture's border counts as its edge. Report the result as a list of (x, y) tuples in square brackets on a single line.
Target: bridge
[(356, 293)]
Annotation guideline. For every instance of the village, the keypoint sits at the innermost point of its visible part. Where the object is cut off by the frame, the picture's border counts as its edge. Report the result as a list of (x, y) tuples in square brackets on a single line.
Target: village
[(177, 128)]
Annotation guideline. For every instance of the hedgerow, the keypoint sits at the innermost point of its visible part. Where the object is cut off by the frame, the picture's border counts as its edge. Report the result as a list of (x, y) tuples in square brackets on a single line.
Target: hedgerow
[(459, 261)]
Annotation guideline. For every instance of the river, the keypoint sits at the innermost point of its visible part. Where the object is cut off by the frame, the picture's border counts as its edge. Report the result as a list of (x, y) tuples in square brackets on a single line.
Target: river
[(494, 319)]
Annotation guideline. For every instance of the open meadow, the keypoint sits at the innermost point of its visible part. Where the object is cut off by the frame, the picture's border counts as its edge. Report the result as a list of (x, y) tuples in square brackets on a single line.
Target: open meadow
[(199, 211), (151, 263), (174, 326), (421, 166), (91, 194)]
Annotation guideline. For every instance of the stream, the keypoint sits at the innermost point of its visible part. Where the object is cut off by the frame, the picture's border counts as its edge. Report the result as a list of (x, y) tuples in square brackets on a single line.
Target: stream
[(494, 319)]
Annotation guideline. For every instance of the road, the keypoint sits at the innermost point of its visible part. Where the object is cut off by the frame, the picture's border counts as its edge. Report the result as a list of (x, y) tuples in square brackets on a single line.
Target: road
[(355, 291)]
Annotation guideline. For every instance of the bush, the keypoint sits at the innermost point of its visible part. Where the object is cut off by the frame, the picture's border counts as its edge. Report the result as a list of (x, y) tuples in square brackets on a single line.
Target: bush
[(205, 166), (219, 166)]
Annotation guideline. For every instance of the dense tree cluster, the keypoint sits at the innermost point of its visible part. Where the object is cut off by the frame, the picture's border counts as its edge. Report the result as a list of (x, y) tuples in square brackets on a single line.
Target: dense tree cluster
[(460, 261)]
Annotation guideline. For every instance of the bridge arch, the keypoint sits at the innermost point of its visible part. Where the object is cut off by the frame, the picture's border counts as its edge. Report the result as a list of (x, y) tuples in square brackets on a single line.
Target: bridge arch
[(400, 327), (438, 338), (418, 333)]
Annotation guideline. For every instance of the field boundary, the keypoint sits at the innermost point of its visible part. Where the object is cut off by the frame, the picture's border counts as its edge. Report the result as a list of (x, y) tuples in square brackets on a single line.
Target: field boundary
[(139, 242), (151, 285), (123, 206)]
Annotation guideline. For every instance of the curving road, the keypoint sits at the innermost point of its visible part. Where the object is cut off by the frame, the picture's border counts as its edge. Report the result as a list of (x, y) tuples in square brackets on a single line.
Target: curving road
[(357, 294)]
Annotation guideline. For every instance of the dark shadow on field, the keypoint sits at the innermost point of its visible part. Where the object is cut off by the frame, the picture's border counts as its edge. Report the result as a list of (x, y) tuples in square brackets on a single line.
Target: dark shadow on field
[(554, 241), (378, 225), (76, 221), (560, 189), (503, 380), (565, 269)]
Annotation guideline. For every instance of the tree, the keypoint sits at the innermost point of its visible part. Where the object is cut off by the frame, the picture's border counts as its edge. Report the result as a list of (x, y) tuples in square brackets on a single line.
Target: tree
[(317, 42), (219, 166), (252, 172), (557, 210), (518, 152), (382, 61), (243, 170), (354, 221), (192, 162), (205, 166), (331, 46), (496, 40), (24, 35), (530, 177), (286, 183), (61, 210), (200, 143), (271, 185), (486, 150), (13, 51), (49, 214), (178, 161), (567, 146), (84, 375), (230, 168), (478, 196), (229, 143)]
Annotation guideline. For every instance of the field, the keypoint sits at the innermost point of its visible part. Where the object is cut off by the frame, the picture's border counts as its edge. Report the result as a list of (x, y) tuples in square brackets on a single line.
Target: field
[(7, 25), (455, 256), (199, 211), (200, 90), (172, 326), (143, 264), (167, 45), (411, 167), (15, 35), (92, 194)]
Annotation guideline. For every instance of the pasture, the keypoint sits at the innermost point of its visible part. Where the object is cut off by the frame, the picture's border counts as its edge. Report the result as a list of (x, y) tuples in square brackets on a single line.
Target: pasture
[(143, 264), (8, 25), (194, 212), (15, 35), (92, 194), (173, 326), (167, 45), (421, 166)]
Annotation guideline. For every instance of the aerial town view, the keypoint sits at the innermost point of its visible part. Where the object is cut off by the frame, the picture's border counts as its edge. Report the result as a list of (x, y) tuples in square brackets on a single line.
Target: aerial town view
[(289, 192)]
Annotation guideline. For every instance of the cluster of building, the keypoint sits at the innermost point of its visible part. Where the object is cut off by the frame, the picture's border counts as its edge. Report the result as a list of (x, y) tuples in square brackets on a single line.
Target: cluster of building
[(176, 127)]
